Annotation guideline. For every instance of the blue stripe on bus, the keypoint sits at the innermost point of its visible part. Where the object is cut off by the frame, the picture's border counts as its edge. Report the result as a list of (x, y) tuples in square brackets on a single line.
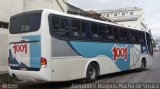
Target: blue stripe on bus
[(12, 59), (70, 45), (94, 49), (35, 51)]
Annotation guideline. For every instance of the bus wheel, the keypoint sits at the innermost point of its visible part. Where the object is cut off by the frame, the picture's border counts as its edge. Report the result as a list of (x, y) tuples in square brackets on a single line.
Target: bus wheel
[(92, 73), (143, 65)]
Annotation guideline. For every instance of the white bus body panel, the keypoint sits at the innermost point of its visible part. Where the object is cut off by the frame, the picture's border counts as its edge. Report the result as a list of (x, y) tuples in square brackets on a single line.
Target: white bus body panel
[(71, 68)]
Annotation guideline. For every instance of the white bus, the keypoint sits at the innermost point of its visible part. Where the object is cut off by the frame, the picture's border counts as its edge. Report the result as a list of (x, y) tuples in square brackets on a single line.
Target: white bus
[(52, 46)]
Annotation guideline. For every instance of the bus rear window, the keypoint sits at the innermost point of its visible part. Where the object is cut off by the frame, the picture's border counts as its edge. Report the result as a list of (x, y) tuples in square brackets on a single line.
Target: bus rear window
[(25, 23)]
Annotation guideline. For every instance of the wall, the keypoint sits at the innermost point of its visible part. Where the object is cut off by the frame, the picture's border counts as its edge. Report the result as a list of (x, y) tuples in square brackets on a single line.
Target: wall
[(58, 5), (11, 7), (3, 49)]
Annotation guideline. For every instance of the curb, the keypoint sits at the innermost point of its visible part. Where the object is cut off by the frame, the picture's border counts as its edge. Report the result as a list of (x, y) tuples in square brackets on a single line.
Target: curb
[(3, 73)]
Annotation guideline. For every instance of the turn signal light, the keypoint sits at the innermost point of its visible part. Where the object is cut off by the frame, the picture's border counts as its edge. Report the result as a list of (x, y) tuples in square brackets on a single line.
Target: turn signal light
[(43, 61)]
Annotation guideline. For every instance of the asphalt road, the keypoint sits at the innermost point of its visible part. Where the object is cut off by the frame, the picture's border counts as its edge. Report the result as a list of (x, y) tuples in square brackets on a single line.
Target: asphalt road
[(150, 75)]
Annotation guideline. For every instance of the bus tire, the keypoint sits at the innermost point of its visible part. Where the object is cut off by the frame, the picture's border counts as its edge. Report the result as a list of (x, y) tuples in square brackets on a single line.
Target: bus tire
[(91, 73), (143, 65)]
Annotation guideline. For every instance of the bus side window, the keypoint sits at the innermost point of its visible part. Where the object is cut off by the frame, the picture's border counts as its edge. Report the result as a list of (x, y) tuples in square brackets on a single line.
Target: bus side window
[(136, 33), (60, 27), (94, 28), (85, 29), (132, 36), (110, 33), (56, 23), (102, 32), (75, 28), (149, 43), (65, 27), (116, 33), (123, 34), (141, 37)]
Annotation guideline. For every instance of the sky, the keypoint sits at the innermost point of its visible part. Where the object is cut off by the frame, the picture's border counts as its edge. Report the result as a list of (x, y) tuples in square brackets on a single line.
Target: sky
[(151, 9)]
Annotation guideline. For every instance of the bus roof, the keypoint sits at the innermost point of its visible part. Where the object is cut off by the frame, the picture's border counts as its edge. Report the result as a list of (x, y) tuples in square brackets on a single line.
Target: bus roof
[(86, 18), (76, 16)]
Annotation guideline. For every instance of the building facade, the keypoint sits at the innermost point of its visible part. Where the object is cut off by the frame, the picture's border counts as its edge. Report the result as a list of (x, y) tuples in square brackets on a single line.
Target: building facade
[(91, 13), (11, 7), (130, 17)]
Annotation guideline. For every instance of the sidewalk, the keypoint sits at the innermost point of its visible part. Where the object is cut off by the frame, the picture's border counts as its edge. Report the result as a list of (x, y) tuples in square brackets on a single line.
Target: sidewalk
[(3, 72), (156, 52)]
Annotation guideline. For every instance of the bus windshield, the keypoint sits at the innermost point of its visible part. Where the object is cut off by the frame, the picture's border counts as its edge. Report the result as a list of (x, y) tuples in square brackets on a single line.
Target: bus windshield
[(24, 23)]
